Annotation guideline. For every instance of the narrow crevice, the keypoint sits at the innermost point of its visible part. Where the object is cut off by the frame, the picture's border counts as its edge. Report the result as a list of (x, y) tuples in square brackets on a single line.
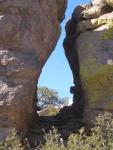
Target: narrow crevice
[(70, 118), (73, 59)]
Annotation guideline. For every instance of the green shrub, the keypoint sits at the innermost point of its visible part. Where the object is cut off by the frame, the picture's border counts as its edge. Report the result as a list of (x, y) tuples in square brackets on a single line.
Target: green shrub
[(53, 111), (101, 137), (12, 142), (52, 141)]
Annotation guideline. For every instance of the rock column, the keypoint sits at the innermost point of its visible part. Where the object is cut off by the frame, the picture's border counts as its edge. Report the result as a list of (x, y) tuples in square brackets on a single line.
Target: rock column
[(29, 31), (89, 49)]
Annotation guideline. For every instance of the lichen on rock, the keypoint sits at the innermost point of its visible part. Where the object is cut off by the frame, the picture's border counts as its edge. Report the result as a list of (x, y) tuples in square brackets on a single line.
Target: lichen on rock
[(98, 8), (89, 49)]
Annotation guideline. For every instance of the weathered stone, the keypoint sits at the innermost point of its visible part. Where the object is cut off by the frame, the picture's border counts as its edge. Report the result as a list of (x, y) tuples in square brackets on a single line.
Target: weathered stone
[(89, 49), (93, 24), (29, 31), (96, 70), (99, 7)]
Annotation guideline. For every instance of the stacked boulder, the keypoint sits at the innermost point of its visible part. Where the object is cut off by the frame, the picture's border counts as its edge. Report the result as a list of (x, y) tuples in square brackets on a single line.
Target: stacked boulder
[(89, 49)]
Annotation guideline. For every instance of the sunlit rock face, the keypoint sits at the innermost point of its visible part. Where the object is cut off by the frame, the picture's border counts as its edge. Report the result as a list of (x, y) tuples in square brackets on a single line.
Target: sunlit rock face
[(29, 30), (89, 49)]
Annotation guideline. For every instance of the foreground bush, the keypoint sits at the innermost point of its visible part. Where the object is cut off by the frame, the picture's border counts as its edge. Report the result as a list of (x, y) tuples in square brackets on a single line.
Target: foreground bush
[(101, 137), (12, 142)]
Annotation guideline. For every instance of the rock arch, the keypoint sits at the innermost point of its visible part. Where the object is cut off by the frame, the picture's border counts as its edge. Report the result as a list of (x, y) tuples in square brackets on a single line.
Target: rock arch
[(28, 33)]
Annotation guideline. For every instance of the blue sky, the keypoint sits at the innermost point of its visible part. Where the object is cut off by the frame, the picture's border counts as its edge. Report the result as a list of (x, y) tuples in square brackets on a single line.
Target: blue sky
[(56, 73)]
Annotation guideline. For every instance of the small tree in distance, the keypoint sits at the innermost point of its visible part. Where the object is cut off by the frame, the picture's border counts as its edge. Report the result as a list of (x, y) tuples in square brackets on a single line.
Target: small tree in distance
[(49, 97)]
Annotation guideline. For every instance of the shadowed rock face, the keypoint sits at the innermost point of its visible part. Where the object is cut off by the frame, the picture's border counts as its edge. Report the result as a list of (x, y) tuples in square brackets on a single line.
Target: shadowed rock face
[(29, 31), (89, 50)]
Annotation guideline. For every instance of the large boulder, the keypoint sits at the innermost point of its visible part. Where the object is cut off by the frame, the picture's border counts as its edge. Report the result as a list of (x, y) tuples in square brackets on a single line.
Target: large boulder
[(29, 31), (89, 49), (95, 50)]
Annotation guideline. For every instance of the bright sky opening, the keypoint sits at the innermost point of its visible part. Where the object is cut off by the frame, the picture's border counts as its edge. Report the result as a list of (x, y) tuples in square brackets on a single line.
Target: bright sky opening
[(56, 73)]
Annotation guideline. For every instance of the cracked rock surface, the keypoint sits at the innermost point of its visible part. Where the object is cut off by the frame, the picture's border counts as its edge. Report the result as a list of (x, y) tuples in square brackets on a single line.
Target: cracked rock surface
[(29, 31)]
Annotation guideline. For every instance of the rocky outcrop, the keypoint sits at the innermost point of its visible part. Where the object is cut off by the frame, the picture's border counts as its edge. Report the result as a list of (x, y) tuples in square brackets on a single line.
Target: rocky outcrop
[(89, 50), (98, 8), (29, 31)]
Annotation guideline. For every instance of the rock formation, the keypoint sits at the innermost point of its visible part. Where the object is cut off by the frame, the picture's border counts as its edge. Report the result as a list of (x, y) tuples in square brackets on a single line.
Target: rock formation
[(89, 50), (97, 8), (29, 31)]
